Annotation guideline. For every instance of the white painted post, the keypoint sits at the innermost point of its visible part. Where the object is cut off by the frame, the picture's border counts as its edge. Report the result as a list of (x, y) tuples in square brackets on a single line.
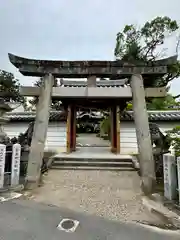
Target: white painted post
[(15, 165), (170, 177), (178, 172), (2, 164)]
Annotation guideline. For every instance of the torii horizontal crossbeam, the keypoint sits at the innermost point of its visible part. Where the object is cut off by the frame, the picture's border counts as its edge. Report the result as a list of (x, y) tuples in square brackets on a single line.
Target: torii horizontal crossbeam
[(83, 69), (100, 83), (93, 92)]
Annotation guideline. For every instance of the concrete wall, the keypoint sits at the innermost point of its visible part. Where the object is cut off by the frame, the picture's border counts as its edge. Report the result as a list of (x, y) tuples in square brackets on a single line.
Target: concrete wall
[(56, 135)]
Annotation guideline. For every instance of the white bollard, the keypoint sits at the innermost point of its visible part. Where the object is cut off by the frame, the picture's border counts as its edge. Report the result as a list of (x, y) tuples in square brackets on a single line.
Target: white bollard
[(15, 167), (2, 164), (178, 172), (170, 177)]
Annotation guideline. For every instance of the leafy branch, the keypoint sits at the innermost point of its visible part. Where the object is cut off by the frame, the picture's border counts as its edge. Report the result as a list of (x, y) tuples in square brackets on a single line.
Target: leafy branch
[(56, 104), (9, 88), (143, 44), (174, 137)]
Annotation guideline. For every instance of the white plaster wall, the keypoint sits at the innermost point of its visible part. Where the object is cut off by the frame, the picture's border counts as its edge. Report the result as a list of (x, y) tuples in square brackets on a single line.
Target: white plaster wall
[(56, 134), (128, 140)]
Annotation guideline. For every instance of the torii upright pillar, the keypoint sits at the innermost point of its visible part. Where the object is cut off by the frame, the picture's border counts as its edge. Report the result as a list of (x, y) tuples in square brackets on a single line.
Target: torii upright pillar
[(143, 134), (39, 134)]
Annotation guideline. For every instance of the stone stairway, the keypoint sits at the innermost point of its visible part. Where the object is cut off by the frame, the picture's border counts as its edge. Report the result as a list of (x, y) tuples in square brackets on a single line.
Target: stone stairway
[(92, 153), (96, 161)]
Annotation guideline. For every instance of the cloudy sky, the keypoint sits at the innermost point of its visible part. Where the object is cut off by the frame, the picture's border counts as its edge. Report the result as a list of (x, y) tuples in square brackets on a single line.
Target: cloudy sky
[(74, 29)]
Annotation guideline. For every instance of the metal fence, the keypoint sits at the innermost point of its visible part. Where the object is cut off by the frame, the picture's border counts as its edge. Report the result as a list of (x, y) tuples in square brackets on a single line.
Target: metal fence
[(10, 157)]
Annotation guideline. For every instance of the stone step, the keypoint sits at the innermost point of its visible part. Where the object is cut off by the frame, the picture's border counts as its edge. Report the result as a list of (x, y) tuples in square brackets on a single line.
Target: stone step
[(90, 158), (80, 145), (93, 163), (93, 168)]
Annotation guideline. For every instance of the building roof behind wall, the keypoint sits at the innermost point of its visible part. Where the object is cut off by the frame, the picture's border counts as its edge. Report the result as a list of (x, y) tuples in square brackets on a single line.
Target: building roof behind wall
[(155, 116), (126, 116)]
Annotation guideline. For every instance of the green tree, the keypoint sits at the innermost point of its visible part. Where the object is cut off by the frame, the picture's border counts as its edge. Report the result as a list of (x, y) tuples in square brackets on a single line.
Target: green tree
[(145, 44), (9, 88), (166, 103), (56, 104)]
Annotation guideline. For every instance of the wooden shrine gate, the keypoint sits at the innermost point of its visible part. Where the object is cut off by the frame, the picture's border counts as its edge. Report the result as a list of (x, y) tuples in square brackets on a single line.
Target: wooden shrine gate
[(114, 126), (138, 81)]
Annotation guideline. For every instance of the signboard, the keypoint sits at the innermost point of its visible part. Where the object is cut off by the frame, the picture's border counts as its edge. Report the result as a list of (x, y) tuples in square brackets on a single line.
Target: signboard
[(15, 169), (2, 164)]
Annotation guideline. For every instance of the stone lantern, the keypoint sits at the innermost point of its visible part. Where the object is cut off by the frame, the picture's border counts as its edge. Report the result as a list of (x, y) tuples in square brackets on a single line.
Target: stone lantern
[(4, 107)]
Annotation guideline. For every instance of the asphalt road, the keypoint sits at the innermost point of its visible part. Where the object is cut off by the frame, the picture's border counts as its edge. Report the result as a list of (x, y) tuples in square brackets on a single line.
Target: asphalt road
[(28, 220)]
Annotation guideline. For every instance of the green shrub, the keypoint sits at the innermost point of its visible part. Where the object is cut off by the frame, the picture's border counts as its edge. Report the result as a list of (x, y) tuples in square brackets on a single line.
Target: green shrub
[(173, 137), (105, 128)]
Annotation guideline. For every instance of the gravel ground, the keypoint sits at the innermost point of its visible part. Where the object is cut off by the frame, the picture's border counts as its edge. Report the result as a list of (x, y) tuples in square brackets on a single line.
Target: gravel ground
[(112, 195)]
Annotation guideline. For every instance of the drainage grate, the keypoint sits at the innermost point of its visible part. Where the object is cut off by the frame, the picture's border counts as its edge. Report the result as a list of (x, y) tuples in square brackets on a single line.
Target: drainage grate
[(68, 225)]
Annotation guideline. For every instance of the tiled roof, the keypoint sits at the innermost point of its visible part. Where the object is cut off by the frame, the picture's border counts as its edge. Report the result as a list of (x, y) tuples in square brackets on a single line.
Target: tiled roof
[(30, 116), (127, 116), (156, 115)]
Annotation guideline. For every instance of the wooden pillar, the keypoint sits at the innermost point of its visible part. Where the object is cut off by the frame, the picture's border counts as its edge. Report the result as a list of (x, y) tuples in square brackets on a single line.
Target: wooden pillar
[(74, 129), (115, 129), (68, 130), (143, 134), (112, 130), (71, 129), (118, 129), (39, 134)]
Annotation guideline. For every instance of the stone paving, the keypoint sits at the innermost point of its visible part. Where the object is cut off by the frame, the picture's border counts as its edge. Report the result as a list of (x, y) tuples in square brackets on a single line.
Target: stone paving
[(91, 140)]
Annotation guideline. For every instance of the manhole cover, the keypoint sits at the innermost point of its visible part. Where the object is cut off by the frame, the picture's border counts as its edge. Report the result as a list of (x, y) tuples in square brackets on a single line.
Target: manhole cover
[(68, 225)]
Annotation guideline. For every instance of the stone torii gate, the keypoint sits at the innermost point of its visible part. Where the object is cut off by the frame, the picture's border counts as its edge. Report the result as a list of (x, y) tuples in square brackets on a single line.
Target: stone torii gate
[(139, 86)]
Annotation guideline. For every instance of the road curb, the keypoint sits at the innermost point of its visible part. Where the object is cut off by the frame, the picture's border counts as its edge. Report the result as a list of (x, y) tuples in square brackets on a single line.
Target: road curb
[(17, 188), (161, 211)]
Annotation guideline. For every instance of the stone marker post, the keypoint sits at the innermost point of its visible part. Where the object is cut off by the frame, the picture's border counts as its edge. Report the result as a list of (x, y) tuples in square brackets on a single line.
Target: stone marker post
[(143, 134), (178, 175), (15, 164), (2, 164), (39, 134), (170, 177)]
